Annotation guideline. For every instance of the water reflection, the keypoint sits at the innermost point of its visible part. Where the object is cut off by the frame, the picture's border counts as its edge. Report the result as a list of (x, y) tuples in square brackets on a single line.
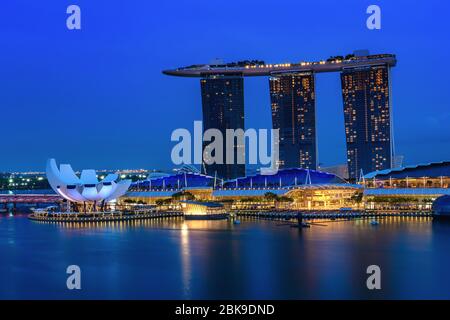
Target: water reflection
[(176, 223), (185, 260), (177, 259)]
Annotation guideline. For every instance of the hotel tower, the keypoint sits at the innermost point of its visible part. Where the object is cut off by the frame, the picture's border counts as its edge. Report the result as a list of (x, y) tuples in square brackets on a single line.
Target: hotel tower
[(293, 106), (366, 93), (223, 108), (367, 113)]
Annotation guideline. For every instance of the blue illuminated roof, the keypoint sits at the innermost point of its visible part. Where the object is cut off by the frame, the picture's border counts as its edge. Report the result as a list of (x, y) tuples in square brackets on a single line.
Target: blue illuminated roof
[(176, 181), (436, 170), (285, 178), (442, 206)]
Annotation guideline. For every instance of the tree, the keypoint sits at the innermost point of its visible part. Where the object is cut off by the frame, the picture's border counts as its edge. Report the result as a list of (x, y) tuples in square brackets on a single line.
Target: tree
[(161, 202), (357, 197), (270, 196), (183, 195), (284, 199)]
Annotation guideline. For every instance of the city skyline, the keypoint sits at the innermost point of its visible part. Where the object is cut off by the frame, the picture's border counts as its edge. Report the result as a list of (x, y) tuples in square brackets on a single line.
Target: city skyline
[(222, 158), (73, 84)]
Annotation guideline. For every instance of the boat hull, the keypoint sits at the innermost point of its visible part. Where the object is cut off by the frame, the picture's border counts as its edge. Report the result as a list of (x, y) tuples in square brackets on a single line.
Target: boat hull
[(220, 216)]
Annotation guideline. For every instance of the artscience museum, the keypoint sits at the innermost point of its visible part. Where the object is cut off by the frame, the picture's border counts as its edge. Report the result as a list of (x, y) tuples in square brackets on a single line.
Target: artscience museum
[(85, 188)]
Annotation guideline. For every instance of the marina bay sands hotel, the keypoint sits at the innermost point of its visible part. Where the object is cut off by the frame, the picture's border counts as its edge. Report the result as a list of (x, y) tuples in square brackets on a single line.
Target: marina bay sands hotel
[(366, 93)]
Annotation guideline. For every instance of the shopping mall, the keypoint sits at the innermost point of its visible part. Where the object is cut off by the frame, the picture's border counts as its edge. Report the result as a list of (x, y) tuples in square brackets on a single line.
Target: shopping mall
[(408, 188)]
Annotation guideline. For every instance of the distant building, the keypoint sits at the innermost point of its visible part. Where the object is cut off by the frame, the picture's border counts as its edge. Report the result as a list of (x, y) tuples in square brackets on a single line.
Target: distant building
[(429, 175), (407, 188), (367, 112), (294, 114), (223, 108)]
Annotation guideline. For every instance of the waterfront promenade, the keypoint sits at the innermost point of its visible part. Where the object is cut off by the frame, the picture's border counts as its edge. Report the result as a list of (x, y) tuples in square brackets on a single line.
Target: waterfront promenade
[(263, 215), (102, 216), (308, 215)]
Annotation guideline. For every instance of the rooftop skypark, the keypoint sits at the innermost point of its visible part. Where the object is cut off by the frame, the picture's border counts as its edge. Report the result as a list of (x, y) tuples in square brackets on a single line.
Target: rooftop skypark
[(260, 68)]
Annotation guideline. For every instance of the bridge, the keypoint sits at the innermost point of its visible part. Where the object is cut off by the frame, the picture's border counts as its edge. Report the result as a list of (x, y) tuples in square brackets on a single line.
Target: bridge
[(29, 198)]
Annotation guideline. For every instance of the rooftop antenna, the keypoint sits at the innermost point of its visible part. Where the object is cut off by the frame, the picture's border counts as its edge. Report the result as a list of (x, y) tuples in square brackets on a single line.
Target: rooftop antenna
[(215, 178), (185, 180), (265, 182)]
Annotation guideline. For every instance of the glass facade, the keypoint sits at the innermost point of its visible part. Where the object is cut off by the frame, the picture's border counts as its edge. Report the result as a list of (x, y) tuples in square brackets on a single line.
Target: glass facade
[(223, 108), (366, 95), (293, 106)]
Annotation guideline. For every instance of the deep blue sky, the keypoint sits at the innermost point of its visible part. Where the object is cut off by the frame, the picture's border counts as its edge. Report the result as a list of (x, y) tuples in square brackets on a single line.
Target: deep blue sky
[(97, 98)]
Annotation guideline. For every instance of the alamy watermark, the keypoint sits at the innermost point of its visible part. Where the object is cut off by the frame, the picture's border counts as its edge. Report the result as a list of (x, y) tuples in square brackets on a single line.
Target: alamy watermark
[(73, 21), (228, 149), (374, 280), (374, 20), (74, 280)]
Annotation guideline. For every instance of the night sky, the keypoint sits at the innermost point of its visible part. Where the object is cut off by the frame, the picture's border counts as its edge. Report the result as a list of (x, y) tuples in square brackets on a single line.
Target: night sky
[(96, 97)]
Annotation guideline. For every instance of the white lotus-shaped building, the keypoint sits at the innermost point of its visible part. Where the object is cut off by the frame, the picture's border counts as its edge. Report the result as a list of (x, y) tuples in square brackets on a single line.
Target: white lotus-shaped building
[(86, 188)]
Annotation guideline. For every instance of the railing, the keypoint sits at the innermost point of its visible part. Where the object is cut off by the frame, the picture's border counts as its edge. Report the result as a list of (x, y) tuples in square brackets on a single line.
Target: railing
[(100, 216), (288, 215)]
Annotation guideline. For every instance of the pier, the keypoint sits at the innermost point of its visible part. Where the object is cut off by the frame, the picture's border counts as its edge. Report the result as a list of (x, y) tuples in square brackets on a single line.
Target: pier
[(101, 216), (311, 215), (263, 215)]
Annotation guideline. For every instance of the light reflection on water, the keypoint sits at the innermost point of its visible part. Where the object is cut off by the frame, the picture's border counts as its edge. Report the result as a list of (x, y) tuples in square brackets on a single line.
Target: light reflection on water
[(177, 259)]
